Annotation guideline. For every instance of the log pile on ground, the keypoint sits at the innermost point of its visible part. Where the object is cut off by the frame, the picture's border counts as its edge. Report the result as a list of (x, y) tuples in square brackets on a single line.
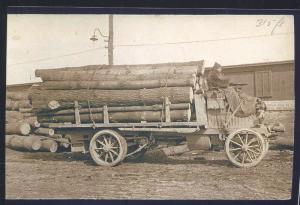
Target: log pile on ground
[(23, 131), (136, 93)]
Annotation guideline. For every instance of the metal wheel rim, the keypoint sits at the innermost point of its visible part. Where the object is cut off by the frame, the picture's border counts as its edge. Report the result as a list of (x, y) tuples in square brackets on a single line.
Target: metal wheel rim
[(245, 148), (106, 148)]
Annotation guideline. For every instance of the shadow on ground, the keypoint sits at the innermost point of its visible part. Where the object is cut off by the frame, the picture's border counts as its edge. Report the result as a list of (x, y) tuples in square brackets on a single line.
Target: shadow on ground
[(152, 157)]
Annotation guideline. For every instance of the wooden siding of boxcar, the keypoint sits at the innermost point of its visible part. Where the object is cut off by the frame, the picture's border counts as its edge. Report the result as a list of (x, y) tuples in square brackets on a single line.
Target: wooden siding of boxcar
[(282, 80)]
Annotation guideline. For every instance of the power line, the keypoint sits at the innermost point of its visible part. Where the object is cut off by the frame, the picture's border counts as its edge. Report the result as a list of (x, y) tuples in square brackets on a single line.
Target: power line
[(55, 57), (202, 41), (149, 44)]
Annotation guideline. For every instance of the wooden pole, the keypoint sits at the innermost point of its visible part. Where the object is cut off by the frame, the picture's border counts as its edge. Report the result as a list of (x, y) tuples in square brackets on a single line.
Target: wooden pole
[(110, 40)]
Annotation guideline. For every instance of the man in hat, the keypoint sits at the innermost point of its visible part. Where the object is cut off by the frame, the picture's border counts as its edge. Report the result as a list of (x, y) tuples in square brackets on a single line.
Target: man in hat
[(216, 79)]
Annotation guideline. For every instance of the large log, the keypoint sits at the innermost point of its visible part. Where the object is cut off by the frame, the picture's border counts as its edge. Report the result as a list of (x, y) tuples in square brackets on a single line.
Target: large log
[(182, 106), (8, 138), (44, 131), (179, 68), (97, 98), (138, 116), (49, 146), (17, 128), (17, 95), (16, 105), (94, 76), (119, 84), (13, 116), (32, 121), (30, 143)]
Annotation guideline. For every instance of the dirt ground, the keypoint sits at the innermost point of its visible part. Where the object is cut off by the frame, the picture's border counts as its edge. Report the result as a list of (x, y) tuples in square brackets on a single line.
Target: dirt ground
[(206, 175)]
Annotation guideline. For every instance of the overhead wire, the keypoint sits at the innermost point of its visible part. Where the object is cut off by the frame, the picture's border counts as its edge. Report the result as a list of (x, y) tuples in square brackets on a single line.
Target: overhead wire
[(150, 44)]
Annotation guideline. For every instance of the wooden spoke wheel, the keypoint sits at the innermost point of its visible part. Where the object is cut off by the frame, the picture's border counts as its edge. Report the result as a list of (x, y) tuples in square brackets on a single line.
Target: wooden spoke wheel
[(108, 148), (245, 148)]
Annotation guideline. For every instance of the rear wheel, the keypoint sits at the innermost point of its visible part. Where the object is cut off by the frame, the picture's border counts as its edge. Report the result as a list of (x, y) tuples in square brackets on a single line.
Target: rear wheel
[(108, 148), (245, 148)]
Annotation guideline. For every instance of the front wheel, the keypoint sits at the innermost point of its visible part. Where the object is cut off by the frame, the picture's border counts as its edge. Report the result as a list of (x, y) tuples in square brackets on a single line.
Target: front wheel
[(108, 148), (245, 148)]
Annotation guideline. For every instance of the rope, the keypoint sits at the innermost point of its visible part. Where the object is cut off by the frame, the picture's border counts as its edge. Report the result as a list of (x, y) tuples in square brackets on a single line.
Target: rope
[(88, 101)]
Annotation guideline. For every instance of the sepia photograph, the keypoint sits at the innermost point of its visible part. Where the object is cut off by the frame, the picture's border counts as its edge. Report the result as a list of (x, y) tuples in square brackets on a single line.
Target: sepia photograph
[(184, 107)]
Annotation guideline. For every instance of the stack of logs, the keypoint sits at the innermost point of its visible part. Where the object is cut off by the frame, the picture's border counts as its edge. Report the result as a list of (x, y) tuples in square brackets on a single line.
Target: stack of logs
[(23, 131), (116, 94)]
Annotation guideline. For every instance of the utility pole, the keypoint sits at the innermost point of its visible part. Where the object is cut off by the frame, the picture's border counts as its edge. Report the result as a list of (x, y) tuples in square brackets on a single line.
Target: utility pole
[(110, 40)]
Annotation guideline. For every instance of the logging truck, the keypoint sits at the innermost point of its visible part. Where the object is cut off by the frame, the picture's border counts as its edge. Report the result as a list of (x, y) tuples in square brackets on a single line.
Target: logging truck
[(152, 112)]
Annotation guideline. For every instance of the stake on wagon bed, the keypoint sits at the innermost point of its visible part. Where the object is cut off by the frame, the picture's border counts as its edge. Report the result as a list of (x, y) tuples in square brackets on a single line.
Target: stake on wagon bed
[(77, 114)]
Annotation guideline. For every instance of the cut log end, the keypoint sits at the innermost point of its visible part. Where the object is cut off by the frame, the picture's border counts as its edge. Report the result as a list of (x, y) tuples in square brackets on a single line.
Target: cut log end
[(25, 128), (53, 105), (17, 128), (49, 145)]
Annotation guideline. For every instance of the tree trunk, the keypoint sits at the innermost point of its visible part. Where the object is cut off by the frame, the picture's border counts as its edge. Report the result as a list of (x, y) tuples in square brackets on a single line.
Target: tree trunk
[(15, 105), (172, 68), (44, 131), (97, 98), (62, 141), (17, 128), (21, 95), (8, 138), (138, 116), (32, 121), (182, 106), (49, 146), (91, 76), (119, 84), (13, 116), (30, 143)]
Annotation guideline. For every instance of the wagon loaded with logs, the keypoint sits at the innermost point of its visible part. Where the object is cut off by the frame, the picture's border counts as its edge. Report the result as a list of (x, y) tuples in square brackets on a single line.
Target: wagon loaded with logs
[(114, 112)]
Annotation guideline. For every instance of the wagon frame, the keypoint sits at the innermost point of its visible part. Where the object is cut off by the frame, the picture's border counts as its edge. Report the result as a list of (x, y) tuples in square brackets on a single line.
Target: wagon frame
[(113, 140)]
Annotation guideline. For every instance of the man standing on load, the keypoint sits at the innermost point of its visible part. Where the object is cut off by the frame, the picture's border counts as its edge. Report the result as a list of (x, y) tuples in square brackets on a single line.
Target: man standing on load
[(216, 79)]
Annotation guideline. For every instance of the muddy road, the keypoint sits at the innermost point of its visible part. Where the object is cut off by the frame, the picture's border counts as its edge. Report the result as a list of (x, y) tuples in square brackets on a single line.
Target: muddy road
[(205, 175)]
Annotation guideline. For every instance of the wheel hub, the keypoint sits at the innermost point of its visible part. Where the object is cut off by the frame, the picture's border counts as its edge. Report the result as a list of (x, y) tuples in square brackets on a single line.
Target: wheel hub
[(107, 148), (245, 148)]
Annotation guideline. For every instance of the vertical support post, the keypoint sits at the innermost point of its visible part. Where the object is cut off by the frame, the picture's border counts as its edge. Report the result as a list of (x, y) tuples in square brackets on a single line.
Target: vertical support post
[(167, 110), (110, 40), (200, 109), (105, 114), (77, 114)]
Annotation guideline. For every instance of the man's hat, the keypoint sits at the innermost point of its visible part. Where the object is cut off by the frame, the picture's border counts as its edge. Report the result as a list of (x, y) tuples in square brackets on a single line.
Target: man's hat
[(217, 66)]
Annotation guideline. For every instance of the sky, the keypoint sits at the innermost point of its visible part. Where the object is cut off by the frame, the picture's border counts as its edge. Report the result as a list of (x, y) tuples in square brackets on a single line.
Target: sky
[(41, 41)]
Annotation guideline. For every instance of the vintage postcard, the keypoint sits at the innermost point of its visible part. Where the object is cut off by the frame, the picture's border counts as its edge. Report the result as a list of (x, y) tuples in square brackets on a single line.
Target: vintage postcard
[(149, 106)]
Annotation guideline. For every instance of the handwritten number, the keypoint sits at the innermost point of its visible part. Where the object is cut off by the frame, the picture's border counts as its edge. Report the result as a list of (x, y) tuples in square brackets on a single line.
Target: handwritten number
[(260, 22), (274, 23)]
